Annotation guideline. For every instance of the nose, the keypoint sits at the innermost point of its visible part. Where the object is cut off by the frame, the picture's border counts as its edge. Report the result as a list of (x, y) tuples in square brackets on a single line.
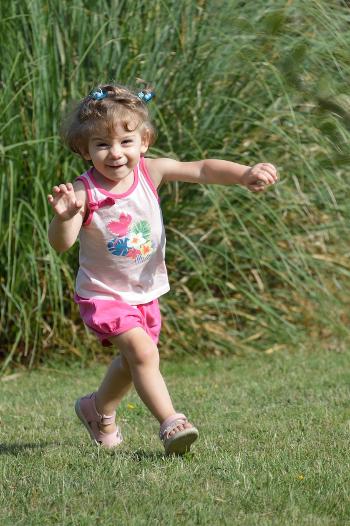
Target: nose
[(115, 151)]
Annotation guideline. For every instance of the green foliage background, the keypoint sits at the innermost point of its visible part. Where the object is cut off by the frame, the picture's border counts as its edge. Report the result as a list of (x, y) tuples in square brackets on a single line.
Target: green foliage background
[(240, 80)]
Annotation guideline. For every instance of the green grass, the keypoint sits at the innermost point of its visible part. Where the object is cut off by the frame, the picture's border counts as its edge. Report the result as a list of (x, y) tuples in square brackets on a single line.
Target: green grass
[(273, 447)]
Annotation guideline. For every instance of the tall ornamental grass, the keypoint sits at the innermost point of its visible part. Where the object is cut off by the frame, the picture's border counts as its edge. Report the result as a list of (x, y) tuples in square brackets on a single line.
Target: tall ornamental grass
[(245, 81)]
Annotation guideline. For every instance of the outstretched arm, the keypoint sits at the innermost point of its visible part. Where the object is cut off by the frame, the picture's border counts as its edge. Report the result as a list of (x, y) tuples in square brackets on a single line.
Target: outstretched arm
[(213, 171), (68, 202)]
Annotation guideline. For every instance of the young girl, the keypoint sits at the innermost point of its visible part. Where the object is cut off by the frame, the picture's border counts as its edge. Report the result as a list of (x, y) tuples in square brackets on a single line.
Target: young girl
[(114, 210)]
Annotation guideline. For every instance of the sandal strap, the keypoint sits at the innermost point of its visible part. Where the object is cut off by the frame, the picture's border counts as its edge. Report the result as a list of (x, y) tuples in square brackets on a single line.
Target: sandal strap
[(170, 423), (105, 420), (102, 419)]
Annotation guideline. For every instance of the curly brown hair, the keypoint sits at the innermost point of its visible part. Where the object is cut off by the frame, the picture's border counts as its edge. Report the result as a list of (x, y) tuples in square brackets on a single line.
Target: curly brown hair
[(119, 106)]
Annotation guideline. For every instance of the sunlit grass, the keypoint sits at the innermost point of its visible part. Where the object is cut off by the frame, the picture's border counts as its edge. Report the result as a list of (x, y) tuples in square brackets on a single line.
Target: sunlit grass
[(273, 447), (259, 81)]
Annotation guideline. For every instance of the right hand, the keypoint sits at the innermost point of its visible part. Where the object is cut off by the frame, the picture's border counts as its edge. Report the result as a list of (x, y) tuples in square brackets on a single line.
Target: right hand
[(64, 202)]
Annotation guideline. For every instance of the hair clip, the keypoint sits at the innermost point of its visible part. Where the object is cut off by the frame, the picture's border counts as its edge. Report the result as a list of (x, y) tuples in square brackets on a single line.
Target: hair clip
[(146, 97), (98, 94)]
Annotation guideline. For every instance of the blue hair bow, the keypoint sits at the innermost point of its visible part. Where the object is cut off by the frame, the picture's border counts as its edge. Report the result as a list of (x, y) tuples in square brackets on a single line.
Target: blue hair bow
[(98, 94), (146, 97)]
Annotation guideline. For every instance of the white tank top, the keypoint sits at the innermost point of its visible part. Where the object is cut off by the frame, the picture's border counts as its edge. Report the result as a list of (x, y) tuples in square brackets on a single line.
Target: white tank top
[(122, 242)]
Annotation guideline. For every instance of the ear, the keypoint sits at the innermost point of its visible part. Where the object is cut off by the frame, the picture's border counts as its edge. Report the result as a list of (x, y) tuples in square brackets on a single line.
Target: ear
[(85, 155), (145, 138)]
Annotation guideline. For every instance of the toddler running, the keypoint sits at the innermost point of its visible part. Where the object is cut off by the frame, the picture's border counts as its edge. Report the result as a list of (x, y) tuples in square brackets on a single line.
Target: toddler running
[(114, 210)]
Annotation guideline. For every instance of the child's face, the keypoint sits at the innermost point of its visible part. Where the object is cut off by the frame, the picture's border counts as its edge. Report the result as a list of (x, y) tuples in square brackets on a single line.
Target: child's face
[(115, 156)]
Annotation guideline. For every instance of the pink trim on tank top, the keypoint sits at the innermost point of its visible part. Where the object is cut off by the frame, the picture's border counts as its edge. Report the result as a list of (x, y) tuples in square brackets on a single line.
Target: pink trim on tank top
[(89, 174), (88, 220), (148, 177), (118, 196)]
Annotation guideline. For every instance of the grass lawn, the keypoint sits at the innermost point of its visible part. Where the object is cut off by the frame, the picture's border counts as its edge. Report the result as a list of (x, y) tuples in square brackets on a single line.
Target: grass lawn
[(273, 447)]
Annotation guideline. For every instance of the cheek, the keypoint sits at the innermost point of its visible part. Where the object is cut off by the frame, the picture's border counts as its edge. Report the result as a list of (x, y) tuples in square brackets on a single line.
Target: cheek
[(98, 154)]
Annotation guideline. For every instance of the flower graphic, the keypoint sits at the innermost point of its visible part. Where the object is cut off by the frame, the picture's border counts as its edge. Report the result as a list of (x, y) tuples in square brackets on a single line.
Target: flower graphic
[(136, 240), (133, 253), (119, 247), (132, 239), (146, 249)]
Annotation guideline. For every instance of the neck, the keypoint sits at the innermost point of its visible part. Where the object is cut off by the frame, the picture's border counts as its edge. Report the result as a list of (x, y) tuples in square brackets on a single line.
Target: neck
[(115, 187)]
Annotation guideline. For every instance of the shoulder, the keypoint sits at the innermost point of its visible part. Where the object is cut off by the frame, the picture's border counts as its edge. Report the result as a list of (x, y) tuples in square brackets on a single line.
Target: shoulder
[(79, 186), (160, 168), (153, 169), (80, 192)]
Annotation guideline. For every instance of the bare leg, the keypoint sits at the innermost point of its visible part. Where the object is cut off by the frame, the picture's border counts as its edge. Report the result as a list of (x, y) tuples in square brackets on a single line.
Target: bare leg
[(142, 356), (115, 385)]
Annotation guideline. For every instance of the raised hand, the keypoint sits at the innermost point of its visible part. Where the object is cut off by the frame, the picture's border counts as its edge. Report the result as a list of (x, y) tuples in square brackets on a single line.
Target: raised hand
[(64, 202), (259, 176)]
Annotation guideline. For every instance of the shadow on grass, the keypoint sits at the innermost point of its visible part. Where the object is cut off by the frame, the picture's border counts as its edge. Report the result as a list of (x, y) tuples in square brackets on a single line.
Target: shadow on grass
[(140, 454), (137, 456), (16, 449)]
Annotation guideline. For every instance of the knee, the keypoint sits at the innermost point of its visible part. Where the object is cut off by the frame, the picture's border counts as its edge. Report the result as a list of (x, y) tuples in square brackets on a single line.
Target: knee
[(142, 356), (124, 363)]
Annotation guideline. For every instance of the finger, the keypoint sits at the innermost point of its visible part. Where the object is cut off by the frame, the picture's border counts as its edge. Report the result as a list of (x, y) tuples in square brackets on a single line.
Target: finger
[(261, 178), (78, 204), (259, 183), (56, 189), (63, 188), (268, 177), (69, 186), (50, 198), (271, 169), (269, 165)]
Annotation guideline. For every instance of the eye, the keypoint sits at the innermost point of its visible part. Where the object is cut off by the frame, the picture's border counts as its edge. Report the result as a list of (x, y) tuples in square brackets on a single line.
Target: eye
[(101, 145), (127, 141)]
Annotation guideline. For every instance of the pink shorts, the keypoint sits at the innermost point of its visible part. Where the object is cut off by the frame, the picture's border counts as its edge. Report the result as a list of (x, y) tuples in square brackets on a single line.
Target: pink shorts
[(108, 318)]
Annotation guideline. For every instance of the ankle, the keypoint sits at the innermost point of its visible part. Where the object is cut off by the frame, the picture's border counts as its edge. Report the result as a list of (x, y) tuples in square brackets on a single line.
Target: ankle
[(107, 428), (102, 409)]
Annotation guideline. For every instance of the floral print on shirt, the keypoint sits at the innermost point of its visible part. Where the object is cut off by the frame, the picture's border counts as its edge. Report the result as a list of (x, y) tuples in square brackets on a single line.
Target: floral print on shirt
[(131, 239)]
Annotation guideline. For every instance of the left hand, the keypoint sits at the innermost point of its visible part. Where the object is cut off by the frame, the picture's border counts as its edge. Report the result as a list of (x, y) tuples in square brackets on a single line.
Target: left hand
[(259, 176)]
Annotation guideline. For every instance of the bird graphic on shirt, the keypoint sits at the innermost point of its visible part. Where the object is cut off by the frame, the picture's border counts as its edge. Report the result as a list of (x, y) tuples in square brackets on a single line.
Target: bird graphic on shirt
[(120, 228)]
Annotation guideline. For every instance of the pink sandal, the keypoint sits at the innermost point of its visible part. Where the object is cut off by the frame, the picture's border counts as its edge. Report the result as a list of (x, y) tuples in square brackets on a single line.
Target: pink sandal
[(85, 409), (181, 441)]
